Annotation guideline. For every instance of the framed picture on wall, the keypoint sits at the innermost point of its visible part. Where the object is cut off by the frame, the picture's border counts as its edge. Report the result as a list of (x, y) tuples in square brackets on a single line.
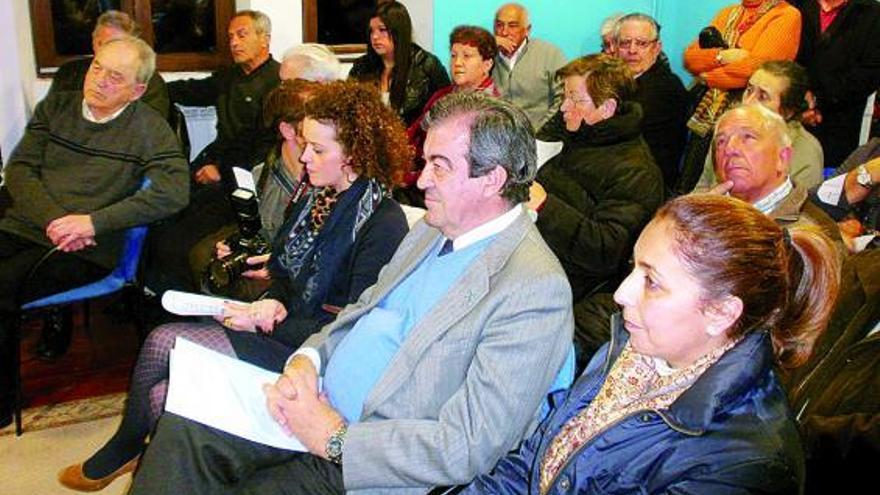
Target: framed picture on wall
[(186, 34), (340, 24)]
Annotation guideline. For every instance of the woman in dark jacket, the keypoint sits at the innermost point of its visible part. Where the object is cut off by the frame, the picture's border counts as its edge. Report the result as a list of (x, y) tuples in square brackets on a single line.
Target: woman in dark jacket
[(329, 250), (597, 194), (405, 74), (684, 399)]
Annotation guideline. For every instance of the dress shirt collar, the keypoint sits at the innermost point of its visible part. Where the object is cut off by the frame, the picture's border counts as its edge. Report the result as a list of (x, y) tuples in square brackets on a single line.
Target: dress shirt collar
[(515, 56), (88, 115), (769, 202), (487, 229)]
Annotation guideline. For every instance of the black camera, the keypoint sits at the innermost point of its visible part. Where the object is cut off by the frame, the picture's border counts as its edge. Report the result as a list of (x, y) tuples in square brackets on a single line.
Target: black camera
[(247, 242)]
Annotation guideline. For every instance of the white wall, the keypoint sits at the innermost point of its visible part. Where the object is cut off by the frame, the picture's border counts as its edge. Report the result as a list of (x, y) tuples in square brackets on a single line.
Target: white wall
[(18, 74)]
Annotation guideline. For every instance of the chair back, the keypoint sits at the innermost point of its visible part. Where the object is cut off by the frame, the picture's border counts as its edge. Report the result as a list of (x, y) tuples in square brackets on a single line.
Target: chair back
[(124, 273), (127, 267), (131, 253)]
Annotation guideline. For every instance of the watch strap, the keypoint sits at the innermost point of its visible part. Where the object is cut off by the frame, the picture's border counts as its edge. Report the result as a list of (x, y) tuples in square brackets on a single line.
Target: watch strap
[(333, 449)]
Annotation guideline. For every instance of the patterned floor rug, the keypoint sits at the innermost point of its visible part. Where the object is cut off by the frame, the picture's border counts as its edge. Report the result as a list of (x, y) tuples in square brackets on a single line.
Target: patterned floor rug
[(67, 413)]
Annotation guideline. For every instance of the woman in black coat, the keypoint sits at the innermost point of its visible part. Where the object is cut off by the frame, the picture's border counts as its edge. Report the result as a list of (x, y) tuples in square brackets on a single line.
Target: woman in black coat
[(596, 195), (405, 74)]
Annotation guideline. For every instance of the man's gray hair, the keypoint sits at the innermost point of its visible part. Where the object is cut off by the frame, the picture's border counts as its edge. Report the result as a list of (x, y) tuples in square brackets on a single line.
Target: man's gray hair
[(117, 20), (500, 136), (523, 12), (638, 16), (771, 122), (145, 55), (262, 23), (609, 25), (314, 62)]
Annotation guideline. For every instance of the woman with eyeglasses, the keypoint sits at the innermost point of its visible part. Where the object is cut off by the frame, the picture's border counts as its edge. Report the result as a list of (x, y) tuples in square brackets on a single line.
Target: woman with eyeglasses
[(596, 195), (685, 397), (747, 34)]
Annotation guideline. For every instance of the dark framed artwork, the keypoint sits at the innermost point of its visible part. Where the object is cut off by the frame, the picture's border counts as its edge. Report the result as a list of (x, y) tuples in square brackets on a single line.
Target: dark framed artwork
[(186, 34), (340, 24)]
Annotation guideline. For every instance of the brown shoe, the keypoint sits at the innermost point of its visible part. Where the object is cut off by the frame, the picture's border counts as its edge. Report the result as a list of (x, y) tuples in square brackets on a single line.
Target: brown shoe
[(73, 477)]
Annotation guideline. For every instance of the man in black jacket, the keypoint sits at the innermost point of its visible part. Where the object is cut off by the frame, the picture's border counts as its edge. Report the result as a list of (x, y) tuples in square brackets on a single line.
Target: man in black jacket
[(237, 92), (840, 47), (243, 141), (660, 92), (596, 195)]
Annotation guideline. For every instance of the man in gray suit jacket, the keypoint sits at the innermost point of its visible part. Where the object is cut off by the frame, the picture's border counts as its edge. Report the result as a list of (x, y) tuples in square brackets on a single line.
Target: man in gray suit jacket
[(439, 368)]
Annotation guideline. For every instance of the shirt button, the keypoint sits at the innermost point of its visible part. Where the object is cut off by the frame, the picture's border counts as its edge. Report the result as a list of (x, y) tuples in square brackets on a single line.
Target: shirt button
[(564, 483), (646, 418)]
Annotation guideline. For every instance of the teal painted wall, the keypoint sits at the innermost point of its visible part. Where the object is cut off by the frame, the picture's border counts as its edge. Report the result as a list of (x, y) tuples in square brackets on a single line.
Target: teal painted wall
[(573, 25)]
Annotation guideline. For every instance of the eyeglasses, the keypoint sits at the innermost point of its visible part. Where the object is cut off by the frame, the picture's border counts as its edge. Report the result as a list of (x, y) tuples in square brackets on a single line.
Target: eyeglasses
[(575, 100), (640, 44)]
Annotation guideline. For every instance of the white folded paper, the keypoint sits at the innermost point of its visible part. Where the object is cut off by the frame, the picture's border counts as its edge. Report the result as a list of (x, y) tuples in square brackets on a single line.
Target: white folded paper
[(244, 179), (189, 304), (224, 393), (547, 150), (830, 190)]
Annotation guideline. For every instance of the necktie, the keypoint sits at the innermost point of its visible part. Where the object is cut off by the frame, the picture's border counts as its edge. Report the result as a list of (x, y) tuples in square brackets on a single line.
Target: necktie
[(447, 248)]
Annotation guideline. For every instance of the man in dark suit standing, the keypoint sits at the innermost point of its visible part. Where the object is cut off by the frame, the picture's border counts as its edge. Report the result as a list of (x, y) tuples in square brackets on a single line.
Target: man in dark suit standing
[(660, 92)]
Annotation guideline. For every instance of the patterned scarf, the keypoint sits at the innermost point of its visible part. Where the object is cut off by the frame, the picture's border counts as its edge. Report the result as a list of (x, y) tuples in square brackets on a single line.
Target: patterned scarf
[(633, 384), (717, 101), (323, 231)]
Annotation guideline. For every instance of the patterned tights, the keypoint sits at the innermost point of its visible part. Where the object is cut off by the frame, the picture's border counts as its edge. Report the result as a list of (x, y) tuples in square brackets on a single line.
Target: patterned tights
[(146, 397)]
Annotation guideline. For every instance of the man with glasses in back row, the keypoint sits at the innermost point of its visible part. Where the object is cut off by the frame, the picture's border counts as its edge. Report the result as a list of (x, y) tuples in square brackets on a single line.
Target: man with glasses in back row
[(658, 90)]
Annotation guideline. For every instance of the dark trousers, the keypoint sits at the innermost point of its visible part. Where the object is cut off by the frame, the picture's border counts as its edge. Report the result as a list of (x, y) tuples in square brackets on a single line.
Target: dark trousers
[(170, 242), (692, 162), (60, 271), (187, 457)]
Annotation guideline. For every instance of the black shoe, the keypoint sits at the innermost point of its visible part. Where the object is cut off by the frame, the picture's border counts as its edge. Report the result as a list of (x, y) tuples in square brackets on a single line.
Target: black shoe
[(55, 340)]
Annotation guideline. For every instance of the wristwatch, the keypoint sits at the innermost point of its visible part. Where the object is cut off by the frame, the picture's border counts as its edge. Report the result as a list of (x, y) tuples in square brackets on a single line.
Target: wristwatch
[(863, 177), (335, 443)]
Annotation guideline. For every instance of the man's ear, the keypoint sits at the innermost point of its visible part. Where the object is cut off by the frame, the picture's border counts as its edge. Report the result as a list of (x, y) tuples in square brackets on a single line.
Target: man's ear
[(785, 159), (608, 107), (493, 182), (722, 315), (286, 130), (139, 90)]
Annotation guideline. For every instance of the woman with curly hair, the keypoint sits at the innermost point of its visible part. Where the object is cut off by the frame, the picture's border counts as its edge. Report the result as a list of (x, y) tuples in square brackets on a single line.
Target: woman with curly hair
[(330, 248)]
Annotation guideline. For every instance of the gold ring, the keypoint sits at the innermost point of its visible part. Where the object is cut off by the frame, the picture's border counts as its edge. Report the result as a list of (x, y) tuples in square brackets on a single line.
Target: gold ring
[(227, 322)]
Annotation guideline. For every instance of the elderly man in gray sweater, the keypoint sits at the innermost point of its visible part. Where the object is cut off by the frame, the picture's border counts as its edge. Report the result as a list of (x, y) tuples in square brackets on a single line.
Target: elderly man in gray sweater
[(75, 181), (525, 67)]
